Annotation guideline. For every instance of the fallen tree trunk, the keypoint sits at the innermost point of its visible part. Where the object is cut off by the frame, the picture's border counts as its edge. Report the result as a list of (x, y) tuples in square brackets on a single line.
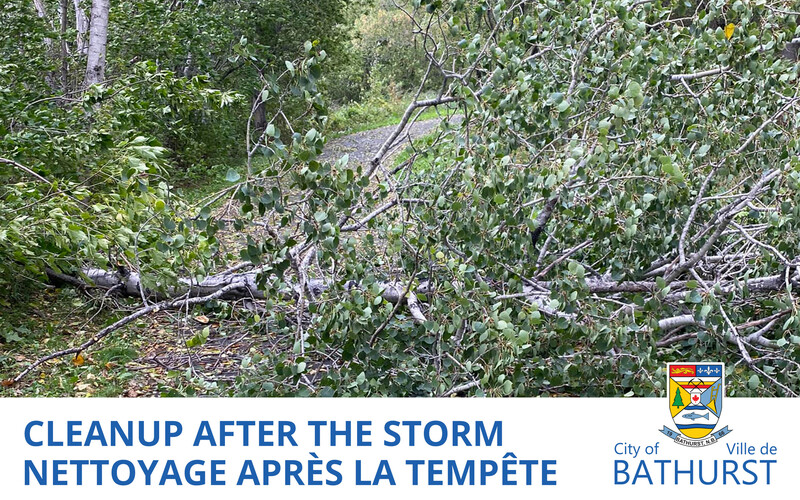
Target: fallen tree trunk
[(241, 281), (129, 284), (235, 285)]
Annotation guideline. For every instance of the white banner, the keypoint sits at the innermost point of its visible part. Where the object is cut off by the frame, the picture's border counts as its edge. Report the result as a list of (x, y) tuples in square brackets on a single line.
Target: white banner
[(357, 448)]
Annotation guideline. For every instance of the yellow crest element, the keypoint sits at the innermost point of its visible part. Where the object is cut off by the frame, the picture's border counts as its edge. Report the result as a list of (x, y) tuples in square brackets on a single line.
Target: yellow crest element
[(695, 397)]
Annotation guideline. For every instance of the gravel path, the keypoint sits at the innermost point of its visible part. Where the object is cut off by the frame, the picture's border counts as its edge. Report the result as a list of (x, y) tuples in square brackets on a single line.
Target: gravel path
[(362, 146)]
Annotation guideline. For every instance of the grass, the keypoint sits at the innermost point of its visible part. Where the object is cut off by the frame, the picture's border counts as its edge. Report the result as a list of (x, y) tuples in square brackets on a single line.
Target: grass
[(373, 113), (52, 320), (195, 186), (423, 162)]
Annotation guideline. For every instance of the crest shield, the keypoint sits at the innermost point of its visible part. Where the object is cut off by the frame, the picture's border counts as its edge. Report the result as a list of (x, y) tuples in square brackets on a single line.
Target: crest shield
[(695, 398)]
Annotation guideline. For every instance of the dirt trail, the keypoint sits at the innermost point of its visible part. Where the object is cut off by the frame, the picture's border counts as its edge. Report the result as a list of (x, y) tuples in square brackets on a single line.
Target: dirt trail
[(362, 146)]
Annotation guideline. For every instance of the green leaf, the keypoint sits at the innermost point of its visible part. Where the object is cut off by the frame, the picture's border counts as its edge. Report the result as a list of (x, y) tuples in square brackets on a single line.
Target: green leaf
[(671, 169), (199, 339), (694, 297), (232, 175), (634, 91)]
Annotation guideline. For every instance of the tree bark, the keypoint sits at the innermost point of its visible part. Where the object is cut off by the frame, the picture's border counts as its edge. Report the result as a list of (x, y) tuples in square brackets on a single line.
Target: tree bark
[(82, 26), (98, 37), (235, 285), (64, 63)]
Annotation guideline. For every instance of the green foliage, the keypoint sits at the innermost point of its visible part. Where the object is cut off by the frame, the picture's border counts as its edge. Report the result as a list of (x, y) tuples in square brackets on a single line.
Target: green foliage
[(381, 58), (107, 186), (624, 148), (110, 153)]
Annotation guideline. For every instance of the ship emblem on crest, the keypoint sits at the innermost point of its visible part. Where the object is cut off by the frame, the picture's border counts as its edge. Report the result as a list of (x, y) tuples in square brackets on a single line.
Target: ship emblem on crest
[(695, 395)]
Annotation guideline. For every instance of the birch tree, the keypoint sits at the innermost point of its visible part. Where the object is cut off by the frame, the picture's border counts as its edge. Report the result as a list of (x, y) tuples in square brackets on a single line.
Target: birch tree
[(98, 37), (82, 26)]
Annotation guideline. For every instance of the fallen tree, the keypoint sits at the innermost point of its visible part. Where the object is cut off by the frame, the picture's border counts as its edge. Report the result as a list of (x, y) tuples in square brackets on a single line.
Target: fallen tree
[(615, 197)]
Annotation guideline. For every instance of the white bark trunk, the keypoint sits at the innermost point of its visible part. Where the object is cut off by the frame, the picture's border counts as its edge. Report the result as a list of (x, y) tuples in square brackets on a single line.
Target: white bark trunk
[(62, 11), (236, 285), (98, 37), (82, 26)]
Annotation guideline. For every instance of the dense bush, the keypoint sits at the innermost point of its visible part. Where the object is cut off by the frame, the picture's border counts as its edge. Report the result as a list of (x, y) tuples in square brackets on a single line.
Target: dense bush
[(182, 89), (623, 192)]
